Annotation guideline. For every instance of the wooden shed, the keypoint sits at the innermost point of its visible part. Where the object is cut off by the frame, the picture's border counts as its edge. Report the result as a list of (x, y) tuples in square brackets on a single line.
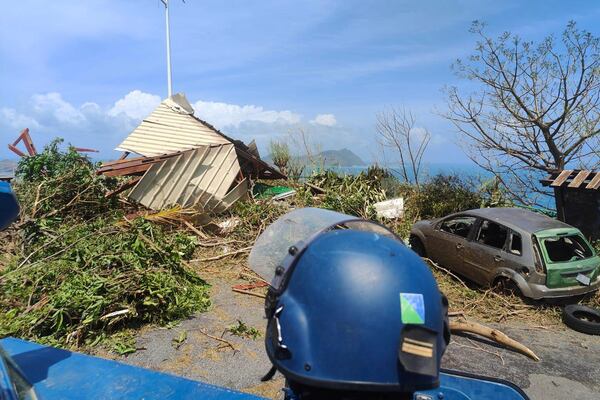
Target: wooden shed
[(577, 196)]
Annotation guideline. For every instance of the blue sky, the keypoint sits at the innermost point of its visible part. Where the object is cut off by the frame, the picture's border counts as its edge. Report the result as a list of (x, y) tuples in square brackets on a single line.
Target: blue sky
[(88, 71)]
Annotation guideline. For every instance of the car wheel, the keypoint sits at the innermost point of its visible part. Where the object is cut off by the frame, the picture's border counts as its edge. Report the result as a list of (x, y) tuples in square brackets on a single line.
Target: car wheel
[(507, 287), (582, 318), (417, 246)]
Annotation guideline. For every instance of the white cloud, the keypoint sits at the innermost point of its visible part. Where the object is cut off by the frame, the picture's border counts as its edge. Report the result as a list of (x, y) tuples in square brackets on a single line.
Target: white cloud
[(223, 114), (16, 121), (91, 125), (435, 138), (325, 120), (136, 104), (52, 106)]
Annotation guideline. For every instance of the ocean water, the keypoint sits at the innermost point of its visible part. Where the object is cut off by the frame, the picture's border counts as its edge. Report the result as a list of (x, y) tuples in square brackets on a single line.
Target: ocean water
[(427, 170)]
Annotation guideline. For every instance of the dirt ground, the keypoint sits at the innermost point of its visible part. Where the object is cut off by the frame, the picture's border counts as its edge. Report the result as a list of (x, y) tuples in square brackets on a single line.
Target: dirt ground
[(569, 366)]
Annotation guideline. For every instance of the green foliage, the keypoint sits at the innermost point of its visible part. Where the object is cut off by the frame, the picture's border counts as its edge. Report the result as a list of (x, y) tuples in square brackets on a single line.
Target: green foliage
[(386, 180), (243, 330), (493, 194), (295, 169), (179, 339), (255, 217), (350, 194), (122, 343), (443, 195), (89, 279), (280, 153), (57, 185)]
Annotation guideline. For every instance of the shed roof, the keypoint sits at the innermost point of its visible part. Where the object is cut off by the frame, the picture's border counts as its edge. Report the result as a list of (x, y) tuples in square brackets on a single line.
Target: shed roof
[(172, 127), (169, 128), (519, 219), (573, 179)]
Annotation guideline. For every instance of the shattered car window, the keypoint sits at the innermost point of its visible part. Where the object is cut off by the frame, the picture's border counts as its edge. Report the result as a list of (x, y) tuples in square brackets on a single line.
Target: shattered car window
[(567, 248), (492, 234), (460, 226), (516, 246)]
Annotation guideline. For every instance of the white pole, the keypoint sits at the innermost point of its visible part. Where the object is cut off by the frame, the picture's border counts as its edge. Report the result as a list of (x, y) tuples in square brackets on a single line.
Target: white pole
[(169, 84)]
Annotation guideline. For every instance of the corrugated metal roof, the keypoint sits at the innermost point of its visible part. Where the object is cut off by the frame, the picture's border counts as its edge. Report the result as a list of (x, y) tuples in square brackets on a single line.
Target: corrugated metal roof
[(574, 179), (169, 128), (199, 178)]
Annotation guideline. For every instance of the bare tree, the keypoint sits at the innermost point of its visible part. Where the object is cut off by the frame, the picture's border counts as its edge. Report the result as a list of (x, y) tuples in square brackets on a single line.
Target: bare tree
[(307, 150), (535, 108), (396, 130)]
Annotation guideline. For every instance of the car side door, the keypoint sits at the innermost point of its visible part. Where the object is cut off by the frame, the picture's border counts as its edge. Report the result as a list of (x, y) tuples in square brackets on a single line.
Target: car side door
[(486, 252), (448, 240)]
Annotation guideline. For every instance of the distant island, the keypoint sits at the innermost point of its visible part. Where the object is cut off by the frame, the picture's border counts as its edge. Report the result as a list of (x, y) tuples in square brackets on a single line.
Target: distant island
[(335, 158)]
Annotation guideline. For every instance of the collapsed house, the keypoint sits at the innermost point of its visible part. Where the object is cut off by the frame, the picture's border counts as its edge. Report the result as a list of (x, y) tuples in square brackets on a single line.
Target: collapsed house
[(186, 161)]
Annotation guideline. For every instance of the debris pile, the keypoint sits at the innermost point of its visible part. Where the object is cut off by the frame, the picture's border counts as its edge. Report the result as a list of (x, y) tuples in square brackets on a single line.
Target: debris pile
[(75, 269), (186, 161)]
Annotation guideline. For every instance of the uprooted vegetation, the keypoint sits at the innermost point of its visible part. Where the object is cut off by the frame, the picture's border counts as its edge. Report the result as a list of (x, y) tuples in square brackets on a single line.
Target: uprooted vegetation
[(80, 269), (84, 269)]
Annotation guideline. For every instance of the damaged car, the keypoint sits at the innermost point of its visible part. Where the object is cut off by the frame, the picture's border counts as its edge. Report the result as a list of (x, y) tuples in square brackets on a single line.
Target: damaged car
[(518, 250)]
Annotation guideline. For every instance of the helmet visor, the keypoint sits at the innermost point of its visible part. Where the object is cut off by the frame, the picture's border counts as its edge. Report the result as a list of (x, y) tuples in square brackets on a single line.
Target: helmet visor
[(298, 228)]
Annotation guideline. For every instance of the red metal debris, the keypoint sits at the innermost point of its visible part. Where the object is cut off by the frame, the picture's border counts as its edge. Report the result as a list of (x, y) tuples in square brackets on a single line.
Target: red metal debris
[(26, 139), (31, 151)]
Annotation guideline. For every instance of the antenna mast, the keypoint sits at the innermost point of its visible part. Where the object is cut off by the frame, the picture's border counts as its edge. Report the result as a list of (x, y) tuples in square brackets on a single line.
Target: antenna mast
[(169, 83)]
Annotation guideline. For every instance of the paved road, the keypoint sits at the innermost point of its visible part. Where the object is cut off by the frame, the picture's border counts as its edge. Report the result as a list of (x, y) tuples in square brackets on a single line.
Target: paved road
[(569, 369)]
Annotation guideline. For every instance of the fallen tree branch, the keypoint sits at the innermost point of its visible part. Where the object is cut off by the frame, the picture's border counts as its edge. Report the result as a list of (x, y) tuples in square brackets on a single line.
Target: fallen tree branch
[(195, 230), (227, 342), (262, 296), (315, 187), (249, 286), (493, 334), (254, 276), (231, 253), (433, 263)]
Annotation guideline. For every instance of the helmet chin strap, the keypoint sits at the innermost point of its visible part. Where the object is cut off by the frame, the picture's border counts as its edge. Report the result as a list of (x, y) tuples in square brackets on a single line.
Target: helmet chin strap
[(269, 375)]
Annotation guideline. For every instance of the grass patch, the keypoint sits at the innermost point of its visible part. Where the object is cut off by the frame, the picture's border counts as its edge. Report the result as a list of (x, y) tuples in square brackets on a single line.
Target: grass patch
[(243, 330)]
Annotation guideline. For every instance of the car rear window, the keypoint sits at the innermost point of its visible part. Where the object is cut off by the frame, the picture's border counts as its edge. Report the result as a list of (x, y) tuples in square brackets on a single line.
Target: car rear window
[(516, 246), (567, 248)]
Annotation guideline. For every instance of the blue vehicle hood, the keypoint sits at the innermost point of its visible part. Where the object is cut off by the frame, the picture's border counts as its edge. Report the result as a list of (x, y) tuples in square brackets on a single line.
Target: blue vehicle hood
[(61, 374)]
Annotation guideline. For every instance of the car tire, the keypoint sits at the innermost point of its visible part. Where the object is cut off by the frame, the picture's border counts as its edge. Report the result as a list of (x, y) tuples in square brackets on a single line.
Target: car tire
[(508, 287), (582, 319), (417, 246)]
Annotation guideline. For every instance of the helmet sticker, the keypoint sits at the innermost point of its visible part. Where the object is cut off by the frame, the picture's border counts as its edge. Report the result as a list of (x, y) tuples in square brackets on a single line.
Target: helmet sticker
[(412, 308)]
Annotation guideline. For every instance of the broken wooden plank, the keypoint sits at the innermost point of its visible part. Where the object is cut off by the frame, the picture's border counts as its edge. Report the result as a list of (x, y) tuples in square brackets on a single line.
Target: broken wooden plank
[(595, 182), (579, 178), (131, 166), (85, 150), (562, 178), (123, 187)]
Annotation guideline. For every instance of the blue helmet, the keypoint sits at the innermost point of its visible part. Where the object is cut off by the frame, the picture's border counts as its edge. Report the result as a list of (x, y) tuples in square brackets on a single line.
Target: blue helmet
[(350, 307)]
